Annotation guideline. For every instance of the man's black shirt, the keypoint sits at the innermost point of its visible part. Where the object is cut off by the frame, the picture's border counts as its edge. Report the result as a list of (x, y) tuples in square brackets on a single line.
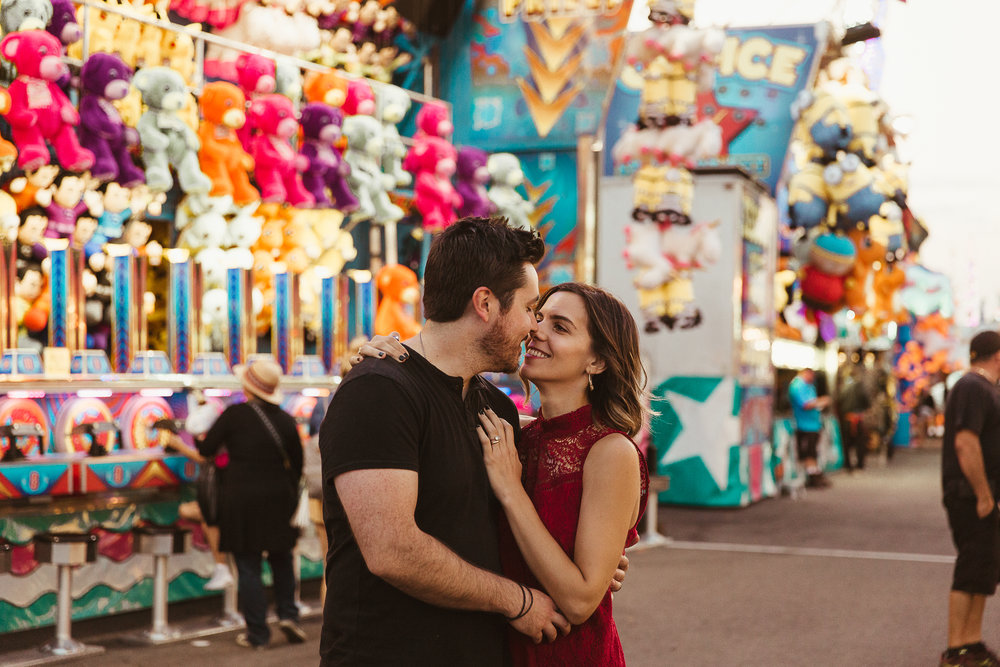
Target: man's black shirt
[(410, 416), (973, 405)]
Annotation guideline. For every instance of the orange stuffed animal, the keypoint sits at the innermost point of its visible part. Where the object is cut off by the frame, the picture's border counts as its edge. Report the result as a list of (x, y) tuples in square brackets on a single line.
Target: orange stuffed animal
[(885, 284), (327, 87), (221, 155), (857, 291), (398, 286)]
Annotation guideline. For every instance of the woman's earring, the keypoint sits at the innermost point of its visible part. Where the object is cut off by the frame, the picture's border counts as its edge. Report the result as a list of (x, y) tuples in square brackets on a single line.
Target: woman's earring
[(590, 381)]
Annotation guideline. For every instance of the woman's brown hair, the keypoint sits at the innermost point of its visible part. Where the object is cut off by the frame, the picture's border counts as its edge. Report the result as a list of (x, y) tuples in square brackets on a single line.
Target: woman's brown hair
[(618, 391)]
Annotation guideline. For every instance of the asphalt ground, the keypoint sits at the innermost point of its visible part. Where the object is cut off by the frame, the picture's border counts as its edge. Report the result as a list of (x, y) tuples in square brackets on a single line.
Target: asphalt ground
[(857, 574)]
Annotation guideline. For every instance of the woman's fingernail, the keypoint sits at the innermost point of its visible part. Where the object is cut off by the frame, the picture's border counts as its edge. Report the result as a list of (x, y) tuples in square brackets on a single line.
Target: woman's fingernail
[(403, 357), (381, 354)]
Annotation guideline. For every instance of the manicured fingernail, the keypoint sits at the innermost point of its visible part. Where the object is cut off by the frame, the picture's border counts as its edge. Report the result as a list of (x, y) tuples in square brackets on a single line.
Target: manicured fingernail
[(381, 354), (404, 357)]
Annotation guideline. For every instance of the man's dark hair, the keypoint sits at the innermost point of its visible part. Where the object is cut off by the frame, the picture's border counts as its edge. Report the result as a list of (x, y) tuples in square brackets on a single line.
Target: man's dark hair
[(474, 253)]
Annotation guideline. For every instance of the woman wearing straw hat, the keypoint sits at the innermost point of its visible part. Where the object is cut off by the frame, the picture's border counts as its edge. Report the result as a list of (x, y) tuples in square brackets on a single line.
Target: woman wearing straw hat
[(259, 496)]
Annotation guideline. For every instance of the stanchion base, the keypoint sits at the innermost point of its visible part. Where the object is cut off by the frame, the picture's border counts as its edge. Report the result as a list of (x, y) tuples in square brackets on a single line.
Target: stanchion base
[(57, 651), (194, 630), (650, 540), (151, 638)]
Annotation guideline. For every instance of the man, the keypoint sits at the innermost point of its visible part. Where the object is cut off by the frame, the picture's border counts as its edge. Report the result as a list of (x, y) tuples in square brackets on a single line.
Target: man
[(852, 404), (411, 573), (970, 470), (806, 408)]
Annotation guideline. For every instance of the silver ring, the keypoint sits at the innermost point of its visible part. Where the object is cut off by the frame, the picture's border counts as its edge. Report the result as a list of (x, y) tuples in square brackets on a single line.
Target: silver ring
[(495, 439), (395, 335)]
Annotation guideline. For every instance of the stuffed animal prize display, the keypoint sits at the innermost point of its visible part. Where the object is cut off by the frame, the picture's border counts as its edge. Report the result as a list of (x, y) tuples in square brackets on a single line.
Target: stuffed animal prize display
[(675, 61)]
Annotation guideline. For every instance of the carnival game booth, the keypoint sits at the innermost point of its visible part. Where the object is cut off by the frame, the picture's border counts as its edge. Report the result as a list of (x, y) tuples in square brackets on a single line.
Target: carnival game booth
[(213, 220), (706, 336)]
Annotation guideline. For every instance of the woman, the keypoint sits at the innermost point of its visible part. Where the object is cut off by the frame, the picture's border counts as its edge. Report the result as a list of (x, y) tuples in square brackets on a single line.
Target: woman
[(259, 496), (574, 488)]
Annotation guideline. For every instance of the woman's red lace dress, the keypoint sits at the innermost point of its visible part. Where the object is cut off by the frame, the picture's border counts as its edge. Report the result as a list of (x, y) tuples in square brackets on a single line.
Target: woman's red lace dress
[(552, 453)]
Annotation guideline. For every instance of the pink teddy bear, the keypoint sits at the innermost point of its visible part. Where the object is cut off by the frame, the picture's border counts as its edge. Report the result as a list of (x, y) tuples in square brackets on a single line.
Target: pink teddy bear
[(433, 120), (39, 109), (277, 163), (434, 195), (360, 98)]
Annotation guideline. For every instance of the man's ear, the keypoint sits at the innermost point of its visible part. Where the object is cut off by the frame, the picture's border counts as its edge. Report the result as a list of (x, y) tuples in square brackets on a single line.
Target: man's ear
[(484, 303)]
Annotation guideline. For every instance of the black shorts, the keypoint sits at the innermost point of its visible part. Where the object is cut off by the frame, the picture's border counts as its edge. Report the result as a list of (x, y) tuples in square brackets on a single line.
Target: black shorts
[(977, 568), (806, 444)]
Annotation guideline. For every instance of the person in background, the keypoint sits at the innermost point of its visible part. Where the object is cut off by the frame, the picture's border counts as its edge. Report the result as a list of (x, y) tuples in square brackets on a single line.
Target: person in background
[(970, 480), (259, 497), (852, 403), (201, 415), (806, 407)]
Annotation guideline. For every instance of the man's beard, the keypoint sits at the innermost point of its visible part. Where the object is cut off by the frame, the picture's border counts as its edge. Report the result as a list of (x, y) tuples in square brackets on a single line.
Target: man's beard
[(501, 352)]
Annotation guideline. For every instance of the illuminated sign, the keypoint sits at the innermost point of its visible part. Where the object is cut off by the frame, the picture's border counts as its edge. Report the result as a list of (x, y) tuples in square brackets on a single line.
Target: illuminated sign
[(539, 10)]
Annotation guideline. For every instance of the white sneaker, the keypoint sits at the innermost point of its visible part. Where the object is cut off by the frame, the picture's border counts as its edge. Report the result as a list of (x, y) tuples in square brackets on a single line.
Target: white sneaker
[(221, 579)]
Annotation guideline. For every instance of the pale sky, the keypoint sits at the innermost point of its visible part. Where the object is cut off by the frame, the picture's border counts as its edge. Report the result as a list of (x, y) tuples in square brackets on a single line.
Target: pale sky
[(939, 70)]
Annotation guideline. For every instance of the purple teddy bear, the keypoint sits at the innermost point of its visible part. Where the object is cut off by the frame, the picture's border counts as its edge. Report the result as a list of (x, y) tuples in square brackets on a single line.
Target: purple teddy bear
[(105, 77), (321, 129), (471, 179), (63, 23)]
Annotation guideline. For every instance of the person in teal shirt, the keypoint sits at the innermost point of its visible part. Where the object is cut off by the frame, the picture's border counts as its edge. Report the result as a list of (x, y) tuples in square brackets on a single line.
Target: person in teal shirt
[(806, 407)]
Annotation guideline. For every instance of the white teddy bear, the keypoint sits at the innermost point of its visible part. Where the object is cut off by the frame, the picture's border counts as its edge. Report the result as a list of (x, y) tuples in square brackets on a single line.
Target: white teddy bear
[(505, 176)]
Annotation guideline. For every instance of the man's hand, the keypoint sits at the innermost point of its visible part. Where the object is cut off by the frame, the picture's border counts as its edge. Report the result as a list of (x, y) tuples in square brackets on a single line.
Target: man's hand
[(618, 579), (984, 506), (543, 620)]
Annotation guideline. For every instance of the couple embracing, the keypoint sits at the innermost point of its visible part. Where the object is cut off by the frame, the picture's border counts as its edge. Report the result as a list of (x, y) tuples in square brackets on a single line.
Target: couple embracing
[(457, 537)]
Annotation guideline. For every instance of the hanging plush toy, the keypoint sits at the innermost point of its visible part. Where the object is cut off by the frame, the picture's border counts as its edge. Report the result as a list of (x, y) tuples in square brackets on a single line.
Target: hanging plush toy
[(360, 99), (321, 132), (808, 204), (71, 198), (398, 287), (433, 120), (434, 195), (63, 25), (327, 87), (26, 189), (40, 110), (166, 139), (255, 76), (830, 260), (854, 194), (116, 205), (104, 78), (277, 163), (221, 155), (288, 81), (369, 184), (392, 105), (505, 176), (823, 125), (472, 175), (857, 289), (21, 15)]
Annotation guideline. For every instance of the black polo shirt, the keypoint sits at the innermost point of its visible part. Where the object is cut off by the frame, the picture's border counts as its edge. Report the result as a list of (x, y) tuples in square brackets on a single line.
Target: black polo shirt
[(973, 405), (410, 416)]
